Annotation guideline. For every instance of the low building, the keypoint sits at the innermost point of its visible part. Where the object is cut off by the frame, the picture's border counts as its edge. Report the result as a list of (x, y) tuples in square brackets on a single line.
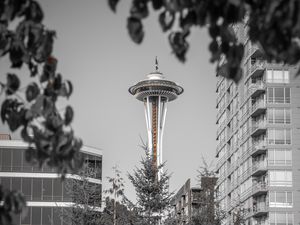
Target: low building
[(189, 199), (44, 191)]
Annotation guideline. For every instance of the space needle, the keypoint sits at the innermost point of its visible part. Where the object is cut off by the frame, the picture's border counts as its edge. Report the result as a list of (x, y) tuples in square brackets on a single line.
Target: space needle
[(155, 92)]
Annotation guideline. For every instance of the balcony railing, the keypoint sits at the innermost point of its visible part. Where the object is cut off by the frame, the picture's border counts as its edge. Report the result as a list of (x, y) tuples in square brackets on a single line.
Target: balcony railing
[(259, 127), (256, 89), (259, 189), (259, 168), (258, 107), (257, 68), (259, 147), (260, 210)]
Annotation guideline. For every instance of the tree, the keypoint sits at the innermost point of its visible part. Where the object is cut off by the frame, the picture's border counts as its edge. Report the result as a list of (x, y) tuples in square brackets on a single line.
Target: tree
[(207, 210), (153, 196), (124, 215), (116, 191), (86, 197), (273, 25), (33, 110)]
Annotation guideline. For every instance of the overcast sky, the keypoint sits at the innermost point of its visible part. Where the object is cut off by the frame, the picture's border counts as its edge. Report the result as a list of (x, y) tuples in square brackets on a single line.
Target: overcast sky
[(96, 54)]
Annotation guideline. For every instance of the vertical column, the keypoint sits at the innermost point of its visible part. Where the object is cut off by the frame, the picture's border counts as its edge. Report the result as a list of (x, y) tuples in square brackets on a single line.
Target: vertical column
[(154, 130)]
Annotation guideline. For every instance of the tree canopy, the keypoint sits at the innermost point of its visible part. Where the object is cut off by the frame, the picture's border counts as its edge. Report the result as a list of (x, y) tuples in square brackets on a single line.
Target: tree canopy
[(273, 25)]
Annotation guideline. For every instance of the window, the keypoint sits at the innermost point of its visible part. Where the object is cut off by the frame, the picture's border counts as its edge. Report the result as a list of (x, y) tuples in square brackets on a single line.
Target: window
[(37, 189), (281, 218), (279, 136), (278, 76), (26, 187), (279, 95), (6, 160), (281, 199), (47, 189), (280, 157), (46, 216), (280, 178), (17, 160), (57, 189), (36, 216)]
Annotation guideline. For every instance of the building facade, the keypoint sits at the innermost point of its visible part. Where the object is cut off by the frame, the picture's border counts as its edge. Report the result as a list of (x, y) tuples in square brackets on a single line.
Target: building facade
[(258, 140), (44, 191)]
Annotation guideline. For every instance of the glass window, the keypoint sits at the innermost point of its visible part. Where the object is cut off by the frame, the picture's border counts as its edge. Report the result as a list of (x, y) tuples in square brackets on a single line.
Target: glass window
[(17, 160), (288, 136), (279, 95), (16, 183), (281, 218), (36, 216), (290, 218), (270, 95), (280, 157), (37, 188), (287, 95), (6, 159), (277, 76), (279, 115), (287, 115), (27, 218), (46, 216), (47, 189), (26, 187), (57, 189), (286, 76), (272, 218), (5, 182), (280, 197), (27, 167), (279, 136)]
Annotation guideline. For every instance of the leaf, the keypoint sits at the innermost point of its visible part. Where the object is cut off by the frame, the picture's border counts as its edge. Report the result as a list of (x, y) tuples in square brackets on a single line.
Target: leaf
[(44, 50), (12, 84), (166, 20), (113, 4), (139, 9), (34, 12), (188, 20), (135, 29), (66, 89), (179, 45), (69, 114), (49, 69), (32, 91), (16, 54), (157, 4)]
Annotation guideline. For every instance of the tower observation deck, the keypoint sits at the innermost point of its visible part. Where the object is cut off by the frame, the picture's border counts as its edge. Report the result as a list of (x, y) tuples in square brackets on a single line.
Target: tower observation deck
[(155, 91)]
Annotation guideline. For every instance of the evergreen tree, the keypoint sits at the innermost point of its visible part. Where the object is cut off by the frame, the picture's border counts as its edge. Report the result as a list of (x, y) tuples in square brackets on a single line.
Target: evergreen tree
[(153, 196)]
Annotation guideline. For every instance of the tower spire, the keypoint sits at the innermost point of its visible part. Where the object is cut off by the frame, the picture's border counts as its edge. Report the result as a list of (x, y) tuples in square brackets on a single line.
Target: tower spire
[(156, 64)]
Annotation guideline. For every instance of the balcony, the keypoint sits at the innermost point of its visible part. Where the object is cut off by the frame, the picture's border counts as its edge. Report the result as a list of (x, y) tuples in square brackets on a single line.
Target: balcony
[(259, 168), (259, 148), (259, 189), (259, 128), (255, 89), (255, 52), (258, 108), (257, 68), (260, 210)]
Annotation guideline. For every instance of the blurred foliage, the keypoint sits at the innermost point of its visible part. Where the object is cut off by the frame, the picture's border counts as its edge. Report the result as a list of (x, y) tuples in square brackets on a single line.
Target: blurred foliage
[(48, 132), (273, 25)]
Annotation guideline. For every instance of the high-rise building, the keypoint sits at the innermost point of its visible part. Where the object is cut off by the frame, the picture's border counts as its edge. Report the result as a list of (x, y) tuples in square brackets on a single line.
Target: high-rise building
[(44, 191), (258, 140)]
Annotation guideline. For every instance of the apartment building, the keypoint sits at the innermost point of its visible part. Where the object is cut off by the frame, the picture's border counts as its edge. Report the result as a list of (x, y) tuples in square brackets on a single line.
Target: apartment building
[(258, 141), (192, 199), (44, 191)]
